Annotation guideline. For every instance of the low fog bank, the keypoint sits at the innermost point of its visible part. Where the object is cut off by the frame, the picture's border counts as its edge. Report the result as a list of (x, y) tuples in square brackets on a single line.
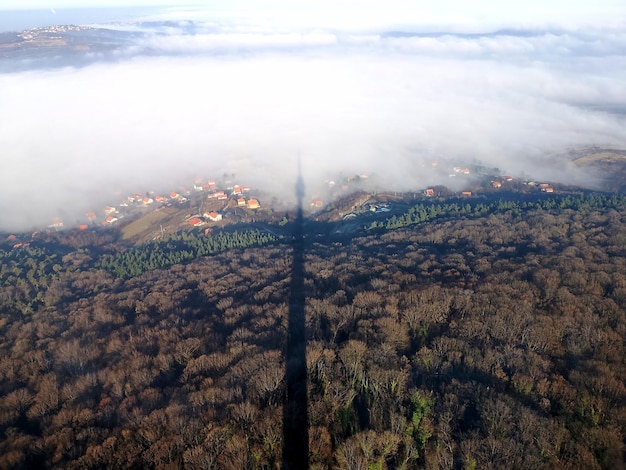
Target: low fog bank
[(203, 105)]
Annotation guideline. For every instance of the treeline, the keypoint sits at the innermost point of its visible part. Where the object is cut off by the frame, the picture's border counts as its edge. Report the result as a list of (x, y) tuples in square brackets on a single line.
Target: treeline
[(49, 271), (179, 248), (426, 212), (27, 273)]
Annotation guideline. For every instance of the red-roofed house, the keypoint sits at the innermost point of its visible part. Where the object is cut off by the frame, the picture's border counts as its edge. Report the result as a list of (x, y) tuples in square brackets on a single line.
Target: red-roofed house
[(195, 222), (213, 216), (241, 201), (221, 195), (429, 192), (253, 204)]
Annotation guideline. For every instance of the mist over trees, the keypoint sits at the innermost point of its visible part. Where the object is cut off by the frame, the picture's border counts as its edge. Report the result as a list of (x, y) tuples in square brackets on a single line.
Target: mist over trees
[(481, 339)]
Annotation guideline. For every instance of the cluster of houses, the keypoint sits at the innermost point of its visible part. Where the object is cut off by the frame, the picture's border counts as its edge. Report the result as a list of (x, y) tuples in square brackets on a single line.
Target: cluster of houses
[(236, 193), (238, 197), (16, 243), (496, 184), (544, 187), (458, 170)]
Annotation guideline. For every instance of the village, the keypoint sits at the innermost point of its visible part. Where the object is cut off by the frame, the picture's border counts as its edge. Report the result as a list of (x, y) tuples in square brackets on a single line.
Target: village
[(206, 203)]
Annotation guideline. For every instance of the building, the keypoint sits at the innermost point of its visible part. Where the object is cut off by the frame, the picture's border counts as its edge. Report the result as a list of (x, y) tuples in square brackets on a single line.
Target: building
[(220, 195), (213, 216), (135, 197), (57, 223)]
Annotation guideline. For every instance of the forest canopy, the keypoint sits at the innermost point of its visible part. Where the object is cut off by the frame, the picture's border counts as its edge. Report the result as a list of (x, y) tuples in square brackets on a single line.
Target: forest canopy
[(473, 335)]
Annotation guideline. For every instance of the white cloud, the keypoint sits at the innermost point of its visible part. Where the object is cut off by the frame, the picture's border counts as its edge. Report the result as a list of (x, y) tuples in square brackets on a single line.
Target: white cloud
[(249, 102)]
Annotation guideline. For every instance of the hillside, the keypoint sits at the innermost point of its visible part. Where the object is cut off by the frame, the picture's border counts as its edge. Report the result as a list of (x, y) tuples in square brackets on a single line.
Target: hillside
[(610, 163), (453, 336)]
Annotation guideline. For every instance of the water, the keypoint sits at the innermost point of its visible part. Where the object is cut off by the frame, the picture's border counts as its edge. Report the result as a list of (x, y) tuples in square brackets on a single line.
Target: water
[(18, 20)]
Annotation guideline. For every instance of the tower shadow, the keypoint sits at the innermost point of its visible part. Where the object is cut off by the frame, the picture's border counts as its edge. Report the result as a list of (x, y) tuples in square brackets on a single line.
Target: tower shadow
[(295, 410)]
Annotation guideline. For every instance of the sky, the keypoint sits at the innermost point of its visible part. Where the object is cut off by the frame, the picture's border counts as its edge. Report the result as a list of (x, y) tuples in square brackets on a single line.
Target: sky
[(478, 13), (245, 89)]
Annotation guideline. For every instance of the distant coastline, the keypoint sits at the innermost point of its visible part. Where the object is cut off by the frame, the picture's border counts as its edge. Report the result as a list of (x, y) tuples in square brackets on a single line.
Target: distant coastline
[(20, 20)]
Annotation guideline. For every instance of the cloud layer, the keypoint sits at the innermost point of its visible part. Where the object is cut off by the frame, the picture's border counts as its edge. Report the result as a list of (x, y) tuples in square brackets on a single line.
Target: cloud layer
[(206, 98)]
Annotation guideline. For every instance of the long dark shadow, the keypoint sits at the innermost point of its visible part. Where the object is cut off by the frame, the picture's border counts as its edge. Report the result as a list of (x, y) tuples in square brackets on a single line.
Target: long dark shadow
[(295, 411)]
